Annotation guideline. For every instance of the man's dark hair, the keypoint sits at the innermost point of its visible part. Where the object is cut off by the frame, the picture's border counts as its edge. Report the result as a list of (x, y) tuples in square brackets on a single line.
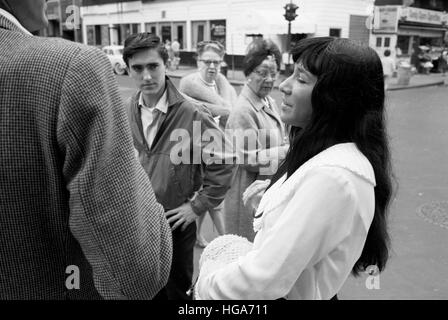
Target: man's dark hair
[(143, 41), (387, 53), (258, 52)]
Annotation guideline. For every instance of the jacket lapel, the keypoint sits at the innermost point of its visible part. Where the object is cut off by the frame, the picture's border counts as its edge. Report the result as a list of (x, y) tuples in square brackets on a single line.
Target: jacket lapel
[(136, 123), (173, 98)]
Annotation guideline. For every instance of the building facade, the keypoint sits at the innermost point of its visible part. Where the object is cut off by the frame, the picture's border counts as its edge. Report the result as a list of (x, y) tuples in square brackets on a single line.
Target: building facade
[(402, 26), (64, 17), (235, 23)]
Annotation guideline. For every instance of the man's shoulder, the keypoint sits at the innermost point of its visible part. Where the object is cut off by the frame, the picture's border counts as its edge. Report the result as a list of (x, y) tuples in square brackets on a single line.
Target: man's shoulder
[(54, 50), (193, 107), (190, 105)]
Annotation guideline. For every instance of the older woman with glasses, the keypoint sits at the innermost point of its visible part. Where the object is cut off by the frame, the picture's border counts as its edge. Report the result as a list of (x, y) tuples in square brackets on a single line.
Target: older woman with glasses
[(210, 87), (255, 123)]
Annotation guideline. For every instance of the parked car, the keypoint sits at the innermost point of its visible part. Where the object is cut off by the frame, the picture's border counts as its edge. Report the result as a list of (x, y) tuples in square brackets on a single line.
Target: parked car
[(115, 55)]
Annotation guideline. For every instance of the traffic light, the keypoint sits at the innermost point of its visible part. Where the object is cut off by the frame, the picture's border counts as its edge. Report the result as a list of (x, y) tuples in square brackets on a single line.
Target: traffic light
[(290, 10)]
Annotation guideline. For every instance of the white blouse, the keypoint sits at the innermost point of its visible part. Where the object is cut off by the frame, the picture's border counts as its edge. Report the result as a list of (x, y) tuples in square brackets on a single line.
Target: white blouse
[(312, 232)]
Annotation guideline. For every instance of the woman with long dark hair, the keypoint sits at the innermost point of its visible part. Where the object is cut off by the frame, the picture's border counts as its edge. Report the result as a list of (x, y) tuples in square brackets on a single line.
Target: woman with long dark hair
[(324, 215)]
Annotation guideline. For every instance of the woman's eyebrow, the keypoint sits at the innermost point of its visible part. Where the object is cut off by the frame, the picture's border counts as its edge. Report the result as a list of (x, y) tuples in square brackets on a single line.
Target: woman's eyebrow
[(303, 71)]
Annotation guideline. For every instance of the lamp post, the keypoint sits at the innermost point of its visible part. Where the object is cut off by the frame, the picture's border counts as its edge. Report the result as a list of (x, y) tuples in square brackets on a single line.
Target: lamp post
[(290, 15)]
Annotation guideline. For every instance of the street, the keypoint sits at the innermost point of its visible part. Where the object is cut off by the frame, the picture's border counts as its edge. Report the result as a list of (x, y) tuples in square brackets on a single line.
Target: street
[(418, 129)]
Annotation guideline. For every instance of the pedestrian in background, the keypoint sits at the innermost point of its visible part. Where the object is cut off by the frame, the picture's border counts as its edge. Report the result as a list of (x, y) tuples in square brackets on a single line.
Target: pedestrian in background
[(169, 49), (186, 188), (208, 85), (388, 67), (211, 88), (443, 62), (78, 216), (176, 53), (254, 111), (324, 215)]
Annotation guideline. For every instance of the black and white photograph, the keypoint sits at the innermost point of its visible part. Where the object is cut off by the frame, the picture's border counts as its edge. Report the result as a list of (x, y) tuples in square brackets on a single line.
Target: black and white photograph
[(253, 151)]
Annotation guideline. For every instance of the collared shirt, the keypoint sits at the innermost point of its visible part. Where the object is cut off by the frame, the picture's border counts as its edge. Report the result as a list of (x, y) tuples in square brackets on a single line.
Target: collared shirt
[(310, 235), (151, 117), (13, 19)]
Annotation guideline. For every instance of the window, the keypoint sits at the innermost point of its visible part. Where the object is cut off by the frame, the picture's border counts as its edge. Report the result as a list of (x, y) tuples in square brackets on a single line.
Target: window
[(166, 33), (98, 35), (387, 42), (151, 27), (198, 29), (135, 28), (335, 33), (218, 31), (200, 33), (379, 42), (180, 35), (403, 44)]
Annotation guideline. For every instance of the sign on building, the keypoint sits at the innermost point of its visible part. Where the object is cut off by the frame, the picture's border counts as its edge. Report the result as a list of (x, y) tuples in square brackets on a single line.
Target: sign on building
[(386, 19), (424, 16)]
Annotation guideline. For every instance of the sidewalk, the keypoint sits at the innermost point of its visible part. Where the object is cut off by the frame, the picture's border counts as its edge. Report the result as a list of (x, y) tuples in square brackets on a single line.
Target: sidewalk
[(420, 80), (237, 78)]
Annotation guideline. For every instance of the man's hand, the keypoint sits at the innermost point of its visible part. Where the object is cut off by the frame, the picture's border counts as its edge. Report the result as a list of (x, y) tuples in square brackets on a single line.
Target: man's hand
[(181, 216), (253, 194)]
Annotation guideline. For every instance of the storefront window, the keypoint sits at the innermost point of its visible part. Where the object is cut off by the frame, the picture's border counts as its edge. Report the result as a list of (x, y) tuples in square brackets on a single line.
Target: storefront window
[(151, 27), (403, 44), (218, 31), (198, 32), (165, 33), (91, 35)]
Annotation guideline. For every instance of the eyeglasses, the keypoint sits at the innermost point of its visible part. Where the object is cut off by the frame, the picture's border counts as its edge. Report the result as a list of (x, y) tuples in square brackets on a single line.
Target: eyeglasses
[(265, 74), (209, 62)]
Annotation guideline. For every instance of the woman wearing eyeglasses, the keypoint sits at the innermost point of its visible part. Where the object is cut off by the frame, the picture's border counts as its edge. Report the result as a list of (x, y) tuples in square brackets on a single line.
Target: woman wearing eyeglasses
[(255, 117), (210, 87)]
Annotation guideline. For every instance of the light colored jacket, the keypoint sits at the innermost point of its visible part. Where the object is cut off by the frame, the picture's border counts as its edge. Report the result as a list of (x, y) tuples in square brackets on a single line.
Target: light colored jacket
[(311, 233), (251, 116), (219, 104)]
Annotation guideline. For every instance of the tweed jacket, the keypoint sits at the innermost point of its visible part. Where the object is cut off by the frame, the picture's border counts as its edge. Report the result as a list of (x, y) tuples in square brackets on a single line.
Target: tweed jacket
[(175, 183), (78, 216)]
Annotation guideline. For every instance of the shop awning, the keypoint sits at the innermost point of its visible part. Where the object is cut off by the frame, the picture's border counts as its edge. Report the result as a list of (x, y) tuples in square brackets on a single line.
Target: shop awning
[(273, 22), (422, 31)]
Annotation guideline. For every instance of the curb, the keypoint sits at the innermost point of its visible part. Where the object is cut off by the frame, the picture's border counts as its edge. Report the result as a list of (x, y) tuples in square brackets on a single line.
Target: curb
[(438, 83)]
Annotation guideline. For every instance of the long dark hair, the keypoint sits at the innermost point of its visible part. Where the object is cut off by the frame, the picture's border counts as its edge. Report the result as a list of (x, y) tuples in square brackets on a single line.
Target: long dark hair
[(348, 106)]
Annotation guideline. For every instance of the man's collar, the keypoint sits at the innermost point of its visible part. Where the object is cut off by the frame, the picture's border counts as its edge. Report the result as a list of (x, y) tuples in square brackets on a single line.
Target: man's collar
[(161, 105), (16, 24)]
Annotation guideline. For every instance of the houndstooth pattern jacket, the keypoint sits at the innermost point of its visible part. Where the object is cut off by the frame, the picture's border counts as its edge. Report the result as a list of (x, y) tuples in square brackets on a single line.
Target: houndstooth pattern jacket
[(73, 196)]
